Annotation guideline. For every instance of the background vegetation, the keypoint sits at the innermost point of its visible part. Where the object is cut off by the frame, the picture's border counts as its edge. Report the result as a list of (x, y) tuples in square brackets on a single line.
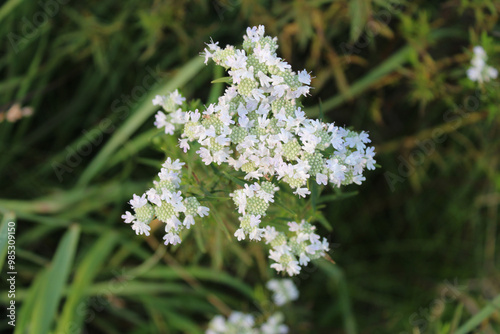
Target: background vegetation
[(415, 246)]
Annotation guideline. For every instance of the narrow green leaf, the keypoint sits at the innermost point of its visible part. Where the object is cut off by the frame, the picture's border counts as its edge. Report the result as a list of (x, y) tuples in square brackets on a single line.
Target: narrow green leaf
[(321, 113), (8, 7), (479, 317), (181, 322), (319, 216), (131, 288), (283, 206), (456, 318), (199, 240), (389, 65), (234, 179), (222, 80), (336, 197), (314, 194), (51, 289), (85, 274), (359, 12), (28, 305), (217, 85), (337, 275)]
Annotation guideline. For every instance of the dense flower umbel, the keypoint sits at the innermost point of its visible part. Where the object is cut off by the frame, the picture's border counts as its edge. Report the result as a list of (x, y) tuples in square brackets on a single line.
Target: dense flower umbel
[(166, 203), (257, 127), (479, 70)]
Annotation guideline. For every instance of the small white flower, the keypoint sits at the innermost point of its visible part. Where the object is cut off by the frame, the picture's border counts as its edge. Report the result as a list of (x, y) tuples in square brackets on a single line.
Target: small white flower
[(141, 228), (240, 234), (128, 217), (302, 192), (321, 179), (173, 165), (159, 100), (293, 227), (138, 202), (153, 196), (183, 143), (177, 97), (479, 52), (292, 268), (304, 77), (203, 211), (188, 221), (172, 239), (270, 234)]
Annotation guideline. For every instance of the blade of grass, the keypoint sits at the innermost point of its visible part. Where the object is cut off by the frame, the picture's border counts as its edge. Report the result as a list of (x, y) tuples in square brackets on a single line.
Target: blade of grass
[(359, 11), (323, 221), (131, 288), (56, 276), (389, 65), (28, 305), (71, 314), (343, 298), (8, 7), (217, 85), (337, 197), (94, 196), (181, 322), (479, 317), (204, 274)]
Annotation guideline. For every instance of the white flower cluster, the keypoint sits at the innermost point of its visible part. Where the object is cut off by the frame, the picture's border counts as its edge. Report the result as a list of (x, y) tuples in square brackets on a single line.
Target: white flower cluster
[(241, 323), (289, 252), (283, 290), (480, 71), (174, 115), (165, 202), (259, 127), (252, 202), (296, 249)]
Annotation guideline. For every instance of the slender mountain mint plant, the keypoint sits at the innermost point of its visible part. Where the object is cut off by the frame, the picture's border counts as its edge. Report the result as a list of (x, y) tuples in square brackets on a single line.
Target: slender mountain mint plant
[(258, 128)]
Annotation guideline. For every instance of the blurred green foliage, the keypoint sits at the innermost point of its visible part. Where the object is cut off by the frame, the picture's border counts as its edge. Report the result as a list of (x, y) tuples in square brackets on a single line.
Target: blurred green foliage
[(416, 247)]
